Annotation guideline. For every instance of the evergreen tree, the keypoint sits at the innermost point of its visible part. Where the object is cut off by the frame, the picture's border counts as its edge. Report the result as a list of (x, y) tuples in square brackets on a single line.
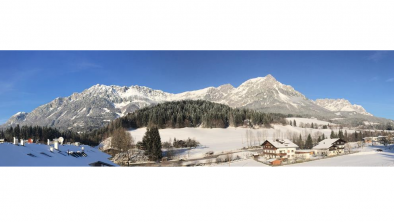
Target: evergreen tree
[(340, 134), (309, 143), (152, 144), (332, 136), (17, 131), (294, 123), (300, 142)]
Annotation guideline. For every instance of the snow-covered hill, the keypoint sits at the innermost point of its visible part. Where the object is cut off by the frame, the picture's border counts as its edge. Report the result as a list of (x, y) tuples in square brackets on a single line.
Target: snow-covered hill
[(341, 105), (40, 155), (96, 106)]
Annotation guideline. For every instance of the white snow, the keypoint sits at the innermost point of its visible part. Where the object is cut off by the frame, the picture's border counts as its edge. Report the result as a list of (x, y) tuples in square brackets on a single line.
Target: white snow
[(217, 140), (121, 105), (221, 140), (341, 105), (309, 121), (12, 155), (368, 156), (242, 163)]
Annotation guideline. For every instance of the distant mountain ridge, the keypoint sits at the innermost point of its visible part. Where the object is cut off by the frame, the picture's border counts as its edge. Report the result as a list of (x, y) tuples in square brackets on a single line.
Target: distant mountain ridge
[(100, 104), (341, 105)]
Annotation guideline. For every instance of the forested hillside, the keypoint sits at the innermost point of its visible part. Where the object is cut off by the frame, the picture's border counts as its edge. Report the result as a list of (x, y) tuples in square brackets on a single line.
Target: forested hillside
[(195, 113)]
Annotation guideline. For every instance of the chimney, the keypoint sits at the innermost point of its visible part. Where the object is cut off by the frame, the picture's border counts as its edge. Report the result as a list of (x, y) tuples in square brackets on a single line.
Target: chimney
[(56, 144), (22, 142), (49, 142), (15, 141), (61, 140)]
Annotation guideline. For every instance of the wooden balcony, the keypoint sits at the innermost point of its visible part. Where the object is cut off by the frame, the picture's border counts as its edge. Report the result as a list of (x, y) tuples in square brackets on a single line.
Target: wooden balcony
[(275, 154)]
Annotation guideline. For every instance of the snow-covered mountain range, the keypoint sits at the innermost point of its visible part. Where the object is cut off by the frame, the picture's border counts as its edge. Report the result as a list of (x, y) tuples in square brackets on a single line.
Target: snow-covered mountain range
[(338, 105), (96, 106)]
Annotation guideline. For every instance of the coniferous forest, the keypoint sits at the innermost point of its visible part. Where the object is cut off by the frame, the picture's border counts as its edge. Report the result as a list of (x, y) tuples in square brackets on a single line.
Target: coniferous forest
[(194, 113)]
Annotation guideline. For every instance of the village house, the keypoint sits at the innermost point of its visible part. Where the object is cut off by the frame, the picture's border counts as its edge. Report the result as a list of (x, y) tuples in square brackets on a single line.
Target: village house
[(282, 150), (2, 140), (368, 139), (111, 151), (304, 154), (330, 147)]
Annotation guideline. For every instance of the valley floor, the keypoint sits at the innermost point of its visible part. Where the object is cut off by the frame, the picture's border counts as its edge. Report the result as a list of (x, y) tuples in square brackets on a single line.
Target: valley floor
[(221, 140), (365, 157), (232, 140), (368, 156)]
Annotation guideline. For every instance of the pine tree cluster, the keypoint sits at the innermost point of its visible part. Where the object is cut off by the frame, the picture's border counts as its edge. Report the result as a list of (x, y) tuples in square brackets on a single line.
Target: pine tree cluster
[(194, 113)]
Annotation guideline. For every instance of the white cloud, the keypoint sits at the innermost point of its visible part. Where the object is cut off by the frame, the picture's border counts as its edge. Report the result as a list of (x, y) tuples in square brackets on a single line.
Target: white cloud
[(6, 87), (390, 80), (377, 56)]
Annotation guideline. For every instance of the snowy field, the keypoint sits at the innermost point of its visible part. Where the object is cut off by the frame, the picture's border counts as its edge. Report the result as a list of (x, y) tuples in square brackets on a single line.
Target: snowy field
[(217, 140), (242, 163), (368, 156), (230, 139), (310, 121), (12, 155)]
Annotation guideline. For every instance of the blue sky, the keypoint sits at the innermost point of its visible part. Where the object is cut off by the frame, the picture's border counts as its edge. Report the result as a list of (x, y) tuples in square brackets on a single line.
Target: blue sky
[(29, 79)]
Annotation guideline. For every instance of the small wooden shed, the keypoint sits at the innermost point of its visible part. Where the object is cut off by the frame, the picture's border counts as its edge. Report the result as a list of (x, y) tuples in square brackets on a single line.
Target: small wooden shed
[(275, 162)]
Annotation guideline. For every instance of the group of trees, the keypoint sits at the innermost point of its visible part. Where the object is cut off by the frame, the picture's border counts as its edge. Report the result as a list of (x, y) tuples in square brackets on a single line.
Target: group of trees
[(307, 125), (194, 113), (124, 143), (40, 134), (180, 143), (308, 143), (122, 140)]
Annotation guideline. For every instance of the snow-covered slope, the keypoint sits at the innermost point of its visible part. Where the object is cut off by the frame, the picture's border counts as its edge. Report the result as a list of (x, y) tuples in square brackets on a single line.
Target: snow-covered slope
[(341, 105), (96, 106), (40, 155)]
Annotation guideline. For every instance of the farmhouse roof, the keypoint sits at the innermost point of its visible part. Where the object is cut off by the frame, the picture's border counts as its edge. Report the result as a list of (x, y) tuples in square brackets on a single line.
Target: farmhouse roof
[(285, 143), (325, 144)]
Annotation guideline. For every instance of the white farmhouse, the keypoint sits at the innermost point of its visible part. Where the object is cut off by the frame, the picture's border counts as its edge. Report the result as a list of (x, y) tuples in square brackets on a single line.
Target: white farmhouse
[(330, 147), (305, 154), (279, 149)]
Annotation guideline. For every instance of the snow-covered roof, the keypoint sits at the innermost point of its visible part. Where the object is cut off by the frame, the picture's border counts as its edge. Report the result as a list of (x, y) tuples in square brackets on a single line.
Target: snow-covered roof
[(325, 144), (285, 143), (40, 155)]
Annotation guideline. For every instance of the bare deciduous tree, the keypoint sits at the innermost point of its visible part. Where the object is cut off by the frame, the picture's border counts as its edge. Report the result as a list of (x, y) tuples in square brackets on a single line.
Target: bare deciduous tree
[(123, 142)]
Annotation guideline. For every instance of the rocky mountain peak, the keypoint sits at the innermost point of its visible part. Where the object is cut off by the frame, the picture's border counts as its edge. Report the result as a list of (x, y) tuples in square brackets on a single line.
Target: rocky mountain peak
[(341, 105)]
